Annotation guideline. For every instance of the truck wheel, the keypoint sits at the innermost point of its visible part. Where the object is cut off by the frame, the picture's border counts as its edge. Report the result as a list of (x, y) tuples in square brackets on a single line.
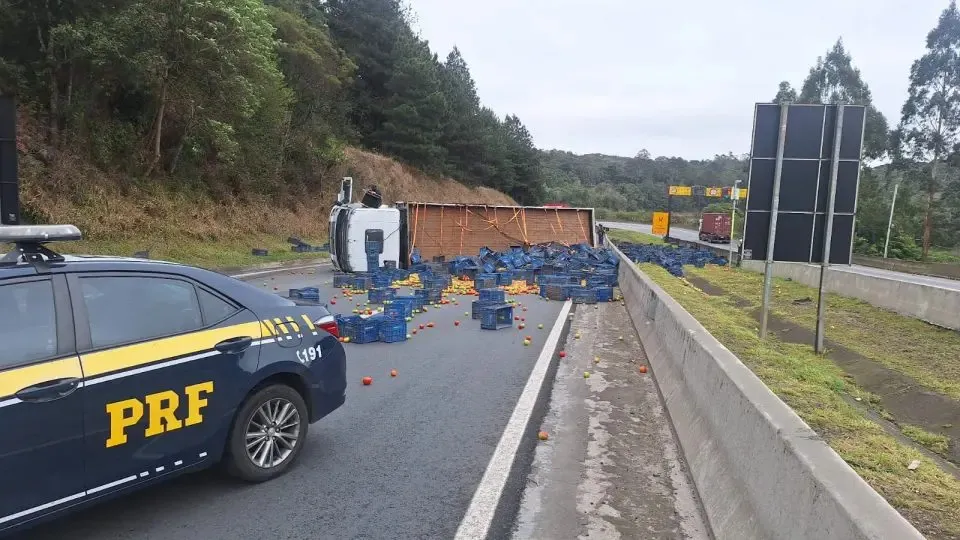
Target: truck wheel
[(267, 434)]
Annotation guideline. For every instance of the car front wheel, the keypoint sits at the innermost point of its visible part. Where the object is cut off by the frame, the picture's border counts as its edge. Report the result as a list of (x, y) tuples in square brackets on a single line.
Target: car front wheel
[(268, 433)]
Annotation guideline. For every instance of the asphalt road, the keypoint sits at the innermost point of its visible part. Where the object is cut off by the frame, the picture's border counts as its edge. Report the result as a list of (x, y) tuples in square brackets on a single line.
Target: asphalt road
[(401, 459), (693, 236)]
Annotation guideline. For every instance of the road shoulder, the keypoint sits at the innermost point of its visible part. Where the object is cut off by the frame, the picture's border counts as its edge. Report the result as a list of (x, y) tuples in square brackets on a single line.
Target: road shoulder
[(611, 467)]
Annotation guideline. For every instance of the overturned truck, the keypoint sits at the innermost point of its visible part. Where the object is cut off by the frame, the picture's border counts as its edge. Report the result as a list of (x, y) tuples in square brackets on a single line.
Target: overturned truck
[(406, 231)]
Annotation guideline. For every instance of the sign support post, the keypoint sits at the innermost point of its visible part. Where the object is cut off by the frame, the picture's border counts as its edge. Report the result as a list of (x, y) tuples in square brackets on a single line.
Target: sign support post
[(734, 197), (670, 214), (772, 236), (828, 230)]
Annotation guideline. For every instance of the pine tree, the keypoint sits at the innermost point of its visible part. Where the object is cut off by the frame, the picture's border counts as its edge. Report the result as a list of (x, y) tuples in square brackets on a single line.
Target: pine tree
[(414, 113), (834, 79), (528, 185), (931, 115), (461, 137)]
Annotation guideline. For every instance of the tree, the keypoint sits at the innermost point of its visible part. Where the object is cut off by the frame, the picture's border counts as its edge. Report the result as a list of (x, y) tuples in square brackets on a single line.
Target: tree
[(786, 93), (415, 111), (931, 115), (834, 80), (528, 185), (461, 134)]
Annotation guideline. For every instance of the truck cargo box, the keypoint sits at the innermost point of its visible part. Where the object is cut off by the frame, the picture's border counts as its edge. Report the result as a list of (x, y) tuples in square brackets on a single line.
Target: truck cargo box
[(715, 228)]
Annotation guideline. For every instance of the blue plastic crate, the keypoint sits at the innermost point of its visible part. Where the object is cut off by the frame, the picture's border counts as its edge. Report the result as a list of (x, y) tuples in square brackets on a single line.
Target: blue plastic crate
[(362, 282), (496, 317), (604, 294), (341, 279), (416, 302), (504, 278), (362, 330), (381, 280), (373, 247), (557, 292), (429, 296), (524, 275), (393, 330), (373, 263), (483, 281), (583, 295), (306, 293), (390, 265), (398, 308), (492, 295), (477, 307), (380, 295)]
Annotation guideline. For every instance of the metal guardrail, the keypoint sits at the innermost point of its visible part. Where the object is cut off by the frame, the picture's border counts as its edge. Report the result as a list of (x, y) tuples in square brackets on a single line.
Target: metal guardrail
[(943, 270)]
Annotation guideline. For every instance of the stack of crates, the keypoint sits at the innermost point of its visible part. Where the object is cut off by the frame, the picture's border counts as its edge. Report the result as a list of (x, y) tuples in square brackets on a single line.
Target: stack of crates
[(504, 278), (380, 295), (496, 317), (393, 329), (524, 275), (485, 281), (381, 280), (342, 279), (373, 249), (488, 297), (556, 292), (402, 308)]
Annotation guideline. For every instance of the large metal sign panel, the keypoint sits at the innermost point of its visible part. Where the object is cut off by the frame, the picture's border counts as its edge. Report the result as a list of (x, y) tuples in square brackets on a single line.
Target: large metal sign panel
[(9, 186), (804, 182)]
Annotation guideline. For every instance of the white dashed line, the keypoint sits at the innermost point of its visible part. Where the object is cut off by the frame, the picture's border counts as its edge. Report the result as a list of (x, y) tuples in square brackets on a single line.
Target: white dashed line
[(160, 469), (178, 463), (203, 454)]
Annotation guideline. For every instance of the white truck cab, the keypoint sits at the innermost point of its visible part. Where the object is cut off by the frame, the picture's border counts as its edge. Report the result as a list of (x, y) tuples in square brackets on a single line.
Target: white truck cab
[(352, 225)]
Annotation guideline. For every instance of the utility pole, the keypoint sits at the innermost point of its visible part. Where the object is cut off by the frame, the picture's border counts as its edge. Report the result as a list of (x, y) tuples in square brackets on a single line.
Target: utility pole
[(893, 204), (734, 197)]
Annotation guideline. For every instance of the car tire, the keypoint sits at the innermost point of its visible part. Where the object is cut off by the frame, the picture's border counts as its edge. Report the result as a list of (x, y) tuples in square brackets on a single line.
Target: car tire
[(266, 420)]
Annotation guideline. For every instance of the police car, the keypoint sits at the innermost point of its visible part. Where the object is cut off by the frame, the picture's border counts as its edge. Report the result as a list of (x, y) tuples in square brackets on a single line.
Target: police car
[(118, 373)]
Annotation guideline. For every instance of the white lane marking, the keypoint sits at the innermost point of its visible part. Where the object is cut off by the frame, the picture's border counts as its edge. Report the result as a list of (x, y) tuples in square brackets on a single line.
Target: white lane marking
[(277, 270), (178, 463), (144, 474), (160, 469), (203, 454), (476, 522)]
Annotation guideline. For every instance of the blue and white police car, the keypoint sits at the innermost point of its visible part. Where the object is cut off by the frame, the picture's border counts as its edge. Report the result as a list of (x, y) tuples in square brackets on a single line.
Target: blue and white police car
[(118, 373)]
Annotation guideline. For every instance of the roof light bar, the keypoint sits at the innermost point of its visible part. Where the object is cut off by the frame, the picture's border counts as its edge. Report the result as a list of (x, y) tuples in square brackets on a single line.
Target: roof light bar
[(38, 234)]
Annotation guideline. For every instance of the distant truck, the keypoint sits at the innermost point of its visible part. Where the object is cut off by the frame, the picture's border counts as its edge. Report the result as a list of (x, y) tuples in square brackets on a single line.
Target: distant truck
[(715, 228), (435, 230)]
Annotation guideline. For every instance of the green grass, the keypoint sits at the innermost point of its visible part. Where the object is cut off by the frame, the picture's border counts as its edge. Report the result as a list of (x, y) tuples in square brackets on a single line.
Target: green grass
[(195, 252), (926, 353), (620, 235), (818, 391), (934, 442)]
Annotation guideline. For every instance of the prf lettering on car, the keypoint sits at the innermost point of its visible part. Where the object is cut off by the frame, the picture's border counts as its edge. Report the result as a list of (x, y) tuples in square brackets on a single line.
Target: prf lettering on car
[(161, 412)]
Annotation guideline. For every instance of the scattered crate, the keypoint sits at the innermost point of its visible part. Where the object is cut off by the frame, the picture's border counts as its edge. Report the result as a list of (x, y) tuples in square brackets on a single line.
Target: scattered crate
[(496, 296), (556, 292), (361, 330), (504, 278), (429, 296), (380, 295), (342, 279), (390, 265), (496, 317), (393, 330), (604, 294), (477, 307), (381, 280), (306, 293), (583, 295), (398, 308), (416, 302), (362, 283), (485, 281)]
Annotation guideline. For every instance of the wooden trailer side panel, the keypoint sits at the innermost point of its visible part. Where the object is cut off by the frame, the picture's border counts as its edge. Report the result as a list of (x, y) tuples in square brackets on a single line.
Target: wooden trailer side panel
[(452, 230)]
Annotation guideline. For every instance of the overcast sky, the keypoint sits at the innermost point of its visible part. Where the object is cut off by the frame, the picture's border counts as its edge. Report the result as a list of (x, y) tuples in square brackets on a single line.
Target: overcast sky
[(678, 78)]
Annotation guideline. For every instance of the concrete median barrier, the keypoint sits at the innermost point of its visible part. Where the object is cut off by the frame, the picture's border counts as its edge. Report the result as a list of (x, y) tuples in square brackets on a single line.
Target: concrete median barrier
[(760, 471)]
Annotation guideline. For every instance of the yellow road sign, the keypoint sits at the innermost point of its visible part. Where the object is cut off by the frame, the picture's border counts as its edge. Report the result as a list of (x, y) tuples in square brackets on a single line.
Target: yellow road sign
[(680, 191), (660, 222), (714, 192)]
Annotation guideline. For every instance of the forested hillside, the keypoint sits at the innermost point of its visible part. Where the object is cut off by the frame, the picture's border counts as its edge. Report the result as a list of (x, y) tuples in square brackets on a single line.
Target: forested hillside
[(251, 97)]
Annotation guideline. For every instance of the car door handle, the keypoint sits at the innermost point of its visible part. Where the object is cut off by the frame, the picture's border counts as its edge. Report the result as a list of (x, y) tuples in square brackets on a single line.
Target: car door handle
[(49, 390), (234, 345)]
